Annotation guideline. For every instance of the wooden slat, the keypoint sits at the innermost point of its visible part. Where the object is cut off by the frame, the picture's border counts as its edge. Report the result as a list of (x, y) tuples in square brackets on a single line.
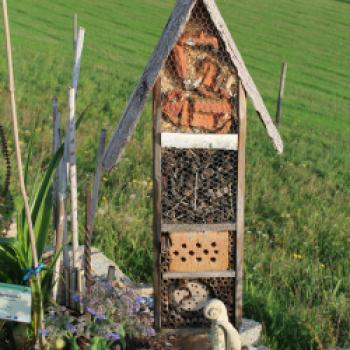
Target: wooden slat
[(170, 36), (157, 182), (244, 74), (196, 275), (198, 227), (199, 141), (240, 206)]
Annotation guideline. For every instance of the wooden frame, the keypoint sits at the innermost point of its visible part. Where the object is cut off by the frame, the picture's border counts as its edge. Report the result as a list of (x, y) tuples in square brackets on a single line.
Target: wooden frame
[(240, 205), (157, 174)]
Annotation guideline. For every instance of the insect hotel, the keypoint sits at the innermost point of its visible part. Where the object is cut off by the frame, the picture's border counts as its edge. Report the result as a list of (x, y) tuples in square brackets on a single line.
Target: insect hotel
[(200, 84)]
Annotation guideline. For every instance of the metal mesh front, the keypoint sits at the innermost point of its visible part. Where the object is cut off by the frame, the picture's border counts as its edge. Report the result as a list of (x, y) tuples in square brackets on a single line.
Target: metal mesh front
[(198, 186), (174, 317), (199, 82)]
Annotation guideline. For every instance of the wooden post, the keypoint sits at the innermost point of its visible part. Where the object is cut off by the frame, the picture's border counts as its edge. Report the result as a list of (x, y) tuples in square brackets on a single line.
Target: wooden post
[(80, 287), (281, 92), (240, 205), (73, 179), (75, 32), (157, 176), (87, 243), (77, 59), (19, 162), (111, 274), (58, 236), (98, 173)]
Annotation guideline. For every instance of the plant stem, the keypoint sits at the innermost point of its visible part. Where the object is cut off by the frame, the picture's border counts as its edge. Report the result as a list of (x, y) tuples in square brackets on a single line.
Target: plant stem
[(19, 157)]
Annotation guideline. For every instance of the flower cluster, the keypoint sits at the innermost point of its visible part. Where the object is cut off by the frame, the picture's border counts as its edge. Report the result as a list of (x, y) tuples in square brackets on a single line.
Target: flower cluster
[(111, 313)]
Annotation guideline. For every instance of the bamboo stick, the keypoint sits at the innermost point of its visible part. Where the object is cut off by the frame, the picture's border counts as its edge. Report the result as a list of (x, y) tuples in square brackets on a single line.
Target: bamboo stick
[(56, 142), (87, 243), (19, 160), (75, 32), (98, 174), (77, 59), (73, 178)]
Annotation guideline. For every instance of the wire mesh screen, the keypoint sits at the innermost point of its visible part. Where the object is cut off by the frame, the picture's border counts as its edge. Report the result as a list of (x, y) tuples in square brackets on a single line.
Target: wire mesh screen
[(198, 186), (199, 83), (183, 300)]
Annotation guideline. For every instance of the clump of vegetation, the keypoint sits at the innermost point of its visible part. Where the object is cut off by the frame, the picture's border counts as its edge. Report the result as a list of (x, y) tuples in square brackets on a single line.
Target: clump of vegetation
[(111, 315)]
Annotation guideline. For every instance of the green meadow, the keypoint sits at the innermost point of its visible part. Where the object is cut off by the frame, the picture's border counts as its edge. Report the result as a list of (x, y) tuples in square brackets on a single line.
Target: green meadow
[(297, 244)]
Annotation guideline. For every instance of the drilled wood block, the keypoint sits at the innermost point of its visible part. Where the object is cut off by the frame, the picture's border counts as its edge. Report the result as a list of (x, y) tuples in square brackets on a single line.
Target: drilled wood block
[(199, 251)]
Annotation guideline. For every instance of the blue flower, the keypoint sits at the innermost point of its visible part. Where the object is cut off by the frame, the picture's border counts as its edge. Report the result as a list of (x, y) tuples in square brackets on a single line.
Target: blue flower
[(139, 300), (76, 298), (112, 336), (70, 328), (44, 332), (91, 311), (149, 332), (101, 317)]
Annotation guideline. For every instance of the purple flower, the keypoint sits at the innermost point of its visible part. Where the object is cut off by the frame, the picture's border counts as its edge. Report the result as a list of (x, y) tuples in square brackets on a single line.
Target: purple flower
[(91, 311), (44, 332), (76, 298), (149, 332), (101, 317), (70, 328), (112, 336), (139, 300)]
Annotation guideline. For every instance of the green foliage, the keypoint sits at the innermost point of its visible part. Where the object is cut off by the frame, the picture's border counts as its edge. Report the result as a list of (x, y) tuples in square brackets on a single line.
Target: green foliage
[(297, 218), (16, 253)]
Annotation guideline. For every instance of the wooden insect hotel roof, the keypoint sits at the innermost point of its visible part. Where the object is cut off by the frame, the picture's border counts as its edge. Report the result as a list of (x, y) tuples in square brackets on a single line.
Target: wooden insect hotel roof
[(171, 34)]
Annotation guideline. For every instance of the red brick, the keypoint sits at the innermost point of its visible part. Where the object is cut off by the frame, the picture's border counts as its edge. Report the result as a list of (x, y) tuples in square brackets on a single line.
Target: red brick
[(226, 128), (203, 121), (173, 106), (180, 61), (185, 114), (216, 107)]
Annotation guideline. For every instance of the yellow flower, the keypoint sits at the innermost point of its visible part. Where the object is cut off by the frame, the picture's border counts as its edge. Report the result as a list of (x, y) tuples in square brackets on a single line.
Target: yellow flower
[(322, 266), (297, 256)]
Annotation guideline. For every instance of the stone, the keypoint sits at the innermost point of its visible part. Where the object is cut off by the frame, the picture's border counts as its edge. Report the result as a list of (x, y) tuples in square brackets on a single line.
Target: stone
[(250, 332)]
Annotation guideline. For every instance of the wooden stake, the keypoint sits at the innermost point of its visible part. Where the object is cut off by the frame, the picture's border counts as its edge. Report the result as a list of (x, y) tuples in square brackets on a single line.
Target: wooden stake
[(240, 206), (87, 243), (157, 180), (98, 174), (56, 142), (75, 32), (281, 91), (77, 58), (73, 179), (19, 159)]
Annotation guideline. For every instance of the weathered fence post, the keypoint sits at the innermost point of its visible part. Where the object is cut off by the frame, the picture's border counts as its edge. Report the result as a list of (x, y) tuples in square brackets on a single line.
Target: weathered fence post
[(281, 91)]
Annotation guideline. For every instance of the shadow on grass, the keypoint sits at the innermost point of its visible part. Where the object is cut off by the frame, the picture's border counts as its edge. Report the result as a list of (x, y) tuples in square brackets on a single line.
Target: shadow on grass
[(344, 1)]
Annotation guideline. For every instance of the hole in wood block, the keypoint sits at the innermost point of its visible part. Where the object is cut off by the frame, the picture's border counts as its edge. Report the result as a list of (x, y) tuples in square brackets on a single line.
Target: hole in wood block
[(194, 251)]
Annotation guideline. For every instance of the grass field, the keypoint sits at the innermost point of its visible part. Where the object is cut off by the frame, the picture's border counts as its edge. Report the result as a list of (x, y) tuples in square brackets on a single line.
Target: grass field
[(297, 248)]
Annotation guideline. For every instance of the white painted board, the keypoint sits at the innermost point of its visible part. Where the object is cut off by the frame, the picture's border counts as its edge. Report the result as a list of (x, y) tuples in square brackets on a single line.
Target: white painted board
[(200, 141), (15, 303)]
